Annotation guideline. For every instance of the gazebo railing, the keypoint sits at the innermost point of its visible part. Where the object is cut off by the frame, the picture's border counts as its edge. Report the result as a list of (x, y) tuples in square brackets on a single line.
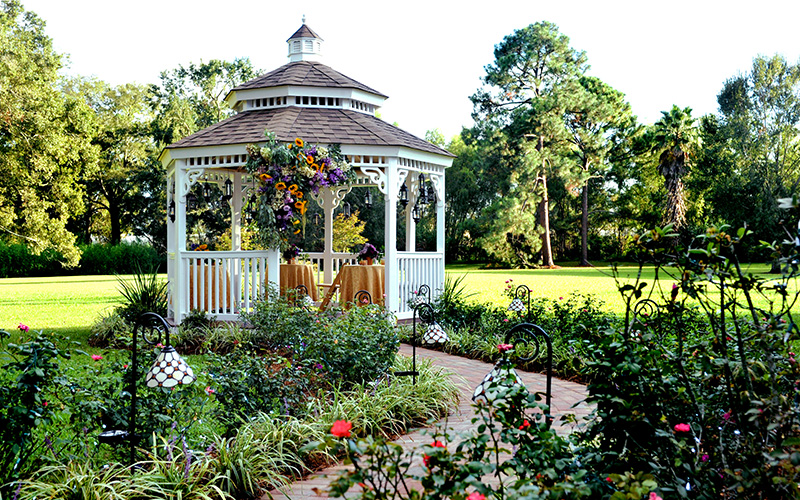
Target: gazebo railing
[(416, 269), (225, 284)]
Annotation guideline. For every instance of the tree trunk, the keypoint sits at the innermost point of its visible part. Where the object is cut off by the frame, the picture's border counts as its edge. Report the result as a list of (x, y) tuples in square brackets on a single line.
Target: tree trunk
[(544, 213), (585, 225), (116, 227)]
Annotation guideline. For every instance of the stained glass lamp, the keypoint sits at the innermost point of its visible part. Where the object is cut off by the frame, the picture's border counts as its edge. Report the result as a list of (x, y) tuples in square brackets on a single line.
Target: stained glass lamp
[(169, 370)]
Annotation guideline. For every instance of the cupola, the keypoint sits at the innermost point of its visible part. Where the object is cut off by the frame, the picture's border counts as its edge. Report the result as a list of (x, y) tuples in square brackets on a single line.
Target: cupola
[(304, 45)]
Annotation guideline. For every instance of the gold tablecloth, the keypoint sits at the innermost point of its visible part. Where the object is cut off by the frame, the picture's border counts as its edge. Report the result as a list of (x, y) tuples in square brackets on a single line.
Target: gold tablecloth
[(355, 278), (299, 274), (209, 276)]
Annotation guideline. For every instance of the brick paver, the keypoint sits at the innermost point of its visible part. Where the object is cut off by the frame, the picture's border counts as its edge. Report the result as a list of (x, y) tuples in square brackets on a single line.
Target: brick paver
[(567, 397)]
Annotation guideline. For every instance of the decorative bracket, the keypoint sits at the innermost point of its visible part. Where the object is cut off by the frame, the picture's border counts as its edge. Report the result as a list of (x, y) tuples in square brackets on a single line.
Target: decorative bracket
[(402, 174), (377, 176), (192, 174), (335, 195), (437, 186)]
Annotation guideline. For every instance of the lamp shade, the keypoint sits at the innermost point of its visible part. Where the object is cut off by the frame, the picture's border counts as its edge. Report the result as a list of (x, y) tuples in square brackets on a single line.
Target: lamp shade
[(169, 370), (503, 374), (516, 305), (434, 334)]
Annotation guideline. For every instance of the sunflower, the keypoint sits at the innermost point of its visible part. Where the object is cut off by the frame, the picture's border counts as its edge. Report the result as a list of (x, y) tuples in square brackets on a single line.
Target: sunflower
[(293, 188), (265, 177), (309, 159), (297, 231), (299, 142), (299, 194), (288, 146), (317, 167), (280, 186), (302, 206)]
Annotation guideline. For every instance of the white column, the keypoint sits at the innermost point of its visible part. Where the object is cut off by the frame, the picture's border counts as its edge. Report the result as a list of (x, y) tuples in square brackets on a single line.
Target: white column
[(440, 206), (180, 297), (412, 180), (171, 252), (327, 252), (391, 278), (236, 213), (274, 268)]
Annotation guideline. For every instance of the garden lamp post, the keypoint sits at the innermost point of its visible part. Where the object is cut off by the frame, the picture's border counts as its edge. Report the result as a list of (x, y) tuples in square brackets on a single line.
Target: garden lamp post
[(434, 334), (168, 371), (517, 305)]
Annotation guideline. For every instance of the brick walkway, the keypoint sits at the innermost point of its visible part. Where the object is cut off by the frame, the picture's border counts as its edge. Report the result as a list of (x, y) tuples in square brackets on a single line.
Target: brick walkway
[(467, 374)]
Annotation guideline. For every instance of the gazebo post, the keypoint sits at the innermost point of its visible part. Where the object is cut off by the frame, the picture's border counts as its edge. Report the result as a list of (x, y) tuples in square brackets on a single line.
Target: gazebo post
[(439, 190), (179, 243), (411, 226), (236, 213), (327, 252), (391, 277)]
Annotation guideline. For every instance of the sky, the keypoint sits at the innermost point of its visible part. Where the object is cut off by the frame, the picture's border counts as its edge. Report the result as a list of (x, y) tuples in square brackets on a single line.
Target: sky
[(429, 56)]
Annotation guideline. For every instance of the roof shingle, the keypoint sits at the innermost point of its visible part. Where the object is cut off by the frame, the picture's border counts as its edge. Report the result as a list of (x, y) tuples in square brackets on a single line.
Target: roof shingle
[(308, 74), (315, 125)]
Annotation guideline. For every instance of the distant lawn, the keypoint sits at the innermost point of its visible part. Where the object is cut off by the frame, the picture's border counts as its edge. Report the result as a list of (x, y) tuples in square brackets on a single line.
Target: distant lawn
[(487, 285), (70, 305), (66, 305)]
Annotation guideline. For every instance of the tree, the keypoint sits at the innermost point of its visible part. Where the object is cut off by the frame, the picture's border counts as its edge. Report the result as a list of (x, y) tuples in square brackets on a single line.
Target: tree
[(758, 139), (597, 118), (676, 136), (532, 67), (123, 136), (44, 138)]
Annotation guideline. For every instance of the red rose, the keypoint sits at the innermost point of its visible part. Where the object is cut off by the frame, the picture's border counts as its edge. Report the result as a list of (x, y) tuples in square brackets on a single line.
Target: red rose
[(341, 428)]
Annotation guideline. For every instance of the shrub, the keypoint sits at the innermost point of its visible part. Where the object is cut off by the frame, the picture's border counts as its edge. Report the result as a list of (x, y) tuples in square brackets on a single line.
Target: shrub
[(146, 292)]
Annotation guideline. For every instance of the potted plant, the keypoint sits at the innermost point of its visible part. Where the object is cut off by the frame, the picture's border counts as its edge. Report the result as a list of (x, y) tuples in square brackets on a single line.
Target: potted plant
[(368, 253), (291, 253)]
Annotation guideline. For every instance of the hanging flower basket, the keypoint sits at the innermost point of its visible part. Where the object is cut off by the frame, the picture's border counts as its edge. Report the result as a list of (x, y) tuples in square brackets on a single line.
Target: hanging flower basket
[(285, 176)]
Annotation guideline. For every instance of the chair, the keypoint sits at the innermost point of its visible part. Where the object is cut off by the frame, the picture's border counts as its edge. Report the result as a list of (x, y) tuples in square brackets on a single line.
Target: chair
[(331, 289)]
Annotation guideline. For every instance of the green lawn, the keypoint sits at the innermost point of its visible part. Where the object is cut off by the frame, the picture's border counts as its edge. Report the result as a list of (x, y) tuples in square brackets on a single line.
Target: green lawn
[(67, 305), (70, 305)]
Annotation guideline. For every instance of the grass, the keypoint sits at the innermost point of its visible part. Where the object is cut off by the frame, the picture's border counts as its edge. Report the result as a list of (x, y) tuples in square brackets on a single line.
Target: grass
[(70, 305)]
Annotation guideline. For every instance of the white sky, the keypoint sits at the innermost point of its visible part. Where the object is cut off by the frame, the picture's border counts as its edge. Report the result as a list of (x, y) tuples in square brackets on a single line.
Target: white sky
[(428, 56)]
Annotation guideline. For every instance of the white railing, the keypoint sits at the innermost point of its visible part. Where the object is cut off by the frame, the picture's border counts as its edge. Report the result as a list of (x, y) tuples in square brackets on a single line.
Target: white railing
[(415, 269), (225, 284)]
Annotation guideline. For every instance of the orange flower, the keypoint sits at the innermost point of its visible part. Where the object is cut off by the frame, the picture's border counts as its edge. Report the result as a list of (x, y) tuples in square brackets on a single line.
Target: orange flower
[(309, 159), (302, 206), (280, 186), (293, 188), (265, 177), (299, 142), (341, 428), (288, 146), (203, 247), (297, 231), (317, 167), (299, 194)]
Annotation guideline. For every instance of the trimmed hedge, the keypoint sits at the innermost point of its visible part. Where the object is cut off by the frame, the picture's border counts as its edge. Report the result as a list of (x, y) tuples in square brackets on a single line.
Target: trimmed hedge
[(17, 261)]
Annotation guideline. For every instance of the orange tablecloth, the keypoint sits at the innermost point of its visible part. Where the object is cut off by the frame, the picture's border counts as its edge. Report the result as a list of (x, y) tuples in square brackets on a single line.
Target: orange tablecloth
[(299, 274), (208, 278), (355, 278)]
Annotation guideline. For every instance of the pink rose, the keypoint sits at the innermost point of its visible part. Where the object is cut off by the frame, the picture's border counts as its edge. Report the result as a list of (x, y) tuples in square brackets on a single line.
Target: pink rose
[(476, 496), (23, 328), (97, 357), (504, 347), (682, 428), (341, 428), (654, 496)]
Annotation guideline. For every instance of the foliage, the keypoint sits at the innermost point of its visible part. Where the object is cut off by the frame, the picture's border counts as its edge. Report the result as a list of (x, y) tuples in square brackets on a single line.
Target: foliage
[(352, 347), (44, 139), (110, 330), (146, 292), (513, 454), (347, 232), (288, 175), (29, 370), (705, 407)]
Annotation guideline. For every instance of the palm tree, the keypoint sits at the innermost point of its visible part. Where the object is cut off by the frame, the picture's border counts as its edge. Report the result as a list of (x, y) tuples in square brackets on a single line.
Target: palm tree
[(676, 136)]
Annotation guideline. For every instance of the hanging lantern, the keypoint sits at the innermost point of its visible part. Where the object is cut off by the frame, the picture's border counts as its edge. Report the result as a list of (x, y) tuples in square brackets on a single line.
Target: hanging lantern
[(416, 213), (346, 209), (228, 190), (404, 195), (207, 191), (422, 197), (503, 374), (434, 334), (252, 209), (191, 202), (171, 211), (368, 199)]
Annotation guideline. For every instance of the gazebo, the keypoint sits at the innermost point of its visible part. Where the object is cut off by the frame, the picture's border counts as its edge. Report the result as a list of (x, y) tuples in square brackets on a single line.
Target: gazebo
[(306, 99)]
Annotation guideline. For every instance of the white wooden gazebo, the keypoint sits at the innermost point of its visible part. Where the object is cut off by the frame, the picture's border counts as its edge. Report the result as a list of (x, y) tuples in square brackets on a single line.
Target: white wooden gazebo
[(306, 99)]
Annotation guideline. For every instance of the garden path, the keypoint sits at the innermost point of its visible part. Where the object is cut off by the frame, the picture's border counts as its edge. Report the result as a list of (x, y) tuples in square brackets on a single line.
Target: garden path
[(568, 397)]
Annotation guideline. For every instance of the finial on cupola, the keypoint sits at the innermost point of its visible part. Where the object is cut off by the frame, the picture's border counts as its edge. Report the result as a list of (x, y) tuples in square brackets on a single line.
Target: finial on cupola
[(305, 45)]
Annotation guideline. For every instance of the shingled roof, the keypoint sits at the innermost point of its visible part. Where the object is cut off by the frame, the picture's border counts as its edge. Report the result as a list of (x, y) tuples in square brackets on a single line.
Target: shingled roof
[(316, 125), (304, 32), (305, 73)]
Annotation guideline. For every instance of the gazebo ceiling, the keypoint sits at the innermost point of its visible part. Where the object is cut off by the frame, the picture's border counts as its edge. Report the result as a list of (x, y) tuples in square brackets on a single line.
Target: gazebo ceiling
[(306, 74), (316, 125)]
